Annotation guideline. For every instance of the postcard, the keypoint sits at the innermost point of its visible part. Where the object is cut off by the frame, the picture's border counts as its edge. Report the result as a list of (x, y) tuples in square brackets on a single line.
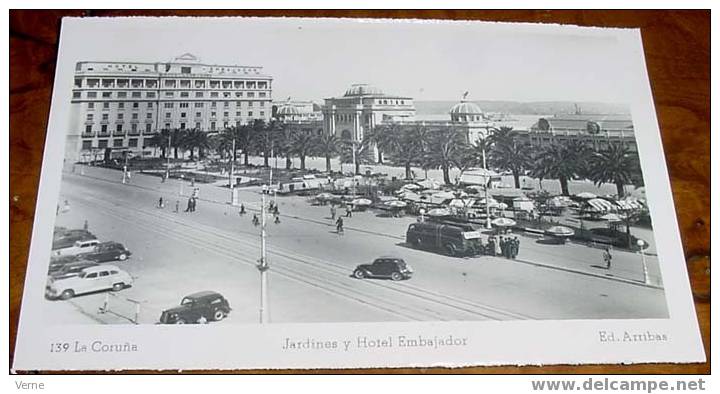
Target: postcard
[(235, 193)]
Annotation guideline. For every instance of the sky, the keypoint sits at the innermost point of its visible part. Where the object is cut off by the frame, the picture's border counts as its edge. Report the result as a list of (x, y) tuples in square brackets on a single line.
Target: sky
[(312, 59)]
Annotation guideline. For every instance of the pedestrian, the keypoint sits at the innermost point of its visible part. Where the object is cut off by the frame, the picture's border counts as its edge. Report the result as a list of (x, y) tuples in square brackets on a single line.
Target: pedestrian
[(503, 247), (339, 224), (607, 257), (85, 225), (255, 220), (277, 219), (498, 249), (348, 211), (333, 212), (189, 205), (242, 209), (193, 204), (276, 210), (177, 206), (491, 246), (160, 203)]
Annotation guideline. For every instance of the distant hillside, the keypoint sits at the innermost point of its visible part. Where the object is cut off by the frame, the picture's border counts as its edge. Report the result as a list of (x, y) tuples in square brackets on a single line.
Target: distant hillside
[(530, 108)]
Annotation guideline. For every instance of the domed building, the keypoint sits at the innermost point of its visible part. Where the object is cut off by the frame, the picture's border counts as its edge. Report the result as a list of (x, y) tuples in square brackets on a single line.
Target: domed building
[(466, 111), (288, 112), (362, 108)]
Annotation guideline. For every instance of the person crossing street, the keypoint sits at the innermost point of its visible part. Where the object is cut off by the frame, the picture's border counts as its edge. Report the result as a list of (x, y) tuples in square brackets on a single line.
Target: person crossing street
[(339, 225)]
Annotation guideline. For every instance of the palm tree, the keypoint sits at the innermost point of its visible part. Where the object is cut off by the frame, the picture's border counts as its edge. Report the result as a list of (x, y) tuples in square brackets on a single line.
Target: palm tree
[(515, 157), (245, 142), (562, 161), (615, 164), (302, 144), (380, 137), (222, 142), (327, 145), (263, 138), (193, 139), (160, 140), (404, 148), (444, 145), (176, 140), (360, 152)]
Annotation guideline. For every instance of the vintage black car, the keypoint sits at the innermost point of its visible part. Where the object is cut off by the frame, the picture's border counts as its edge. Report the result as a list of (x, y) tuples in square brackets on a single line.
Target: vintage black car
[(384, 267), (197, 307), (107, 251)]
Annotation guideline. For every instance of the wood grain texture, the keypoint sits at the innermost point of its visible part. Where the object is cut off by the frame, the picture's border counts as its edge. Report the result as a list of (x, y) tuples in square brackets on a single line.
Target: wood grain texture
[(677, 49)]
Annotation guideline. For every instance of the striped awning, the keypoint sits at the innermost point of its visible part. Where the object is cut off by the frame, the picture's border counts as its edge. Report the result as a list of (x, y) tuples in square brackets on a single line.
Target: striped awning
[(629, 204), (601, 205)]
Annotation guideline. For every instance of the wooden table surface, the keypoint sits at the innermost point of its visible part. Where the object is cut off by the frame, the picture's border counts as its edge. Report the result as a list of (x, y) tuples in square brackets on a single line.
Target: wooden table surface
[(677, 49)]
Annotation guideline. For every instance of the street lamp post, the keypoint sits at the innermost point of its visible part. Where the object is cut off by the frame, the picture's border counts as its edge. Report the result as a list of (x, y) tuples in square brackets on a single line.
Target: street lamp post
[(124, 178), (646, 277), (232, 173), (263, 265), (167, 171), (488, 225)]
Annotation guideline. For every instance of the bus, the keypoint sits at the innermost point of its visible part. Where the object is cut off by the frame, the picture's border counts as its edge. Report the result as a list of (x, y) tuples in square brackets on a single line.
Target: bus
[(452, 239)]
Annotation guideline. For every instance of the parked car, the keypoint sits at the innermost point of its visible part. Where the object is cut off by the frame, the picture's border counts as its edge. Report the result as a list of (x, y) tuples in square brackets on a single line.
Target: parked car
[(384, 267), (90, 279), (611, 237), (207, 305), (57, 263), (106, 251), (77, 248), (67, 238)]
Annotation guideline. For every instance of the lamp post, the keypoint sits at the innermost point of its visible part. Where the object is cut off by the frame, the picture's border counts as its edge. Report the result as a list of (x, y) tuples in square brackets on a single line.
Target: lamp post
[(125, 165), (646, 277), (232, 173), (263, 264), (488, 225), (167, 171)]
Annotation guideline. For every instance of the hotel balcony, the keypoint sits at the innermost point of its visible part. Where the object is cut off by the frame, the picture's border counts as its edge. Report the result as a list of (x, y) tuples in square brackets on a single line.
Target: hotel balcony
[(119, 133), (133, 132), (88, 135), (104, 134)]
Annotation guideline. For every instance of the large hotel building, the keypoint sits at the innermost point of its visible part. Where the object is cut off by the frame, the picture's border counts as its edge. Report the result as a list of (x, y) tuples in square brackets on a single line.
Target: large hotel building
[(121, 105)]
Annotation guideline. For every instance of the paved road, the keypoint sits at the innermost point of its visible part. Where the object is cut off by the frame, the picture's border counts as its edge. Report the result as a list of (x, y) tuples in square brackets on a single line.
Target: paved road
[(215, 248)]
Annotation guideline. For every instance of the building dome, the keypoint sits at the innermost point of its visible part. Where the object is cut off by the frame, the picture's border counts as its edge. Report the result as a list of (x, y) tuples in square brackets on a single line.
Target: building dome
[(363, 89), (288, 110), (466, 108)]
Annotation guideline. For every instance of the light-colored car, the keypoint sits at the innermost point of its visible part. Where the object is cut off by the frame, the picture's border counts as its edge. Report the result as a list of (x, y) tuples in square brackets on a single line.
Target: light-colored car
[(98, 278), (81, 246)]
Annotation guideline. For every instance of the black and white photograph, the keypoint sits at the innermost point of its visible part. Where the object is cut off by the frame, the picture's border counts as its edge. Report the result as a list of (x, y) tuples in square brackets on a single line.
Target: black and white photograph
[(240, 173)]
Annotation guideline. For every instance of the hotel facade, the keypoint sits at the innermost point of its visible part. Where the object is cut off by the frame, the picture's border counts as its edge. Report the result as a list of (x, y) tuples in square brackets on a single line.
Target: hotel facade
[(122, 105)]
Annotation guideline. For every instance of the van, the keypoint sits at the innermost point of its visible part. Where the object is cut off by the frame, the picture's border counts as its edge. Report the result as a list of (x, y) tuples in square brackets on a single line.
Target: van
[(454, 240)]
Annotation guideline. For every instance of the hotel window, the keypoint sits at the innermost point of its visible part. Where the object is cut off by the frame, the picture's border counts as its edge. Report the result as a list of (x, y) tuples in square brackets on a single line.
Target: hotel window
[(133, 127), (182, 125), (262, 103), (238, 113), (103, 129), (183, 114), (88, 129), (197, 125), (226, 104), (199, 84), (239, 103), (77, 95), (135, 116), (78, 83), (251, 94), (121, 105), (136, 105), (250, 113), (169, 83), (148, 115), (184, 105), (122, 94), (185, 83), (148, 95), (212, 125), (92, 94), (167, 115), (168, 105), (238, 94), (251, 103), (102, 144), (89, 117), (185, 70), (214, 84), (105, 117), (148, 128), (120, 116), (262, 113), (118, 128), (213, 114), (117, 142), (133, 142), (150, 105), (198, 94), (150, 83), (198, 105), (226, 114), (213, 104), (169, 94), (184, 94), (87, 145), (198, 114), (213, 94), (238, 84), (226, 94), (261, 94), (167, 125), (107, 94)]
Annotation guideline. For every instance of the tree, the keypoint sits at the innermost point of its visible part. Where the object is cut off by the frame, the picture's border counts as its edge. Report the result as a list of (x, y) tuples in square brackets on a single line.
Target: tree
[(515, 157), (444, 145), (176, 140), (194, 139), (263, 133), (302, 144), (160, 140), (563, 161), (328, 146), (404, 147), (381, 137), (616, 164), (359, 151), (245, 141)]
